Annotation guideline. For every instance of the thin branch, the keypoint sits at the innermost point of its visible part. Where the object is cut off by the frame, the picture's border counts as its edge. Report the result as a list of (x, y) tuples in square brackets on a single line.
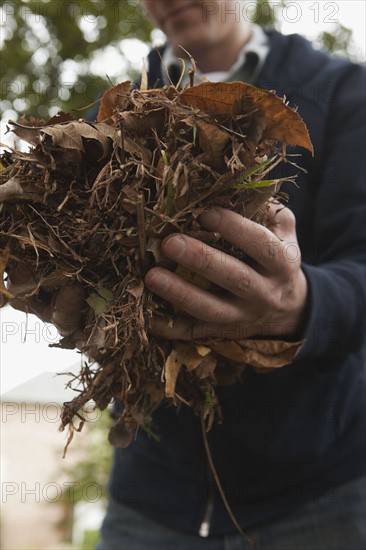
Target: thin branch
[(218, 483)]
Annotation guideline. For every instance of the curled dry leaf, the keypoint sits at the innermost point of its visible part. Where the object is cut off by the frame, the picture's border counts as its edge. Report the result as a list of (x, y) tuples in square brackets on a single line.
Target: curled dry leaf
[(259, 353), (90, 204), (173, 365), (11, 190), (281, 122), (114, 100), (83, 137), (4, 292)]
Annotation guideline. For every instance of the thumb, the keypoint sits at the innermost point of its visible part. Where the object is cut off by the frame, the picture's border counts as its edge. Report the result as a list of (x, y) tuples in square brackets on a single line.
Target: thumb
[(281, 221), (67, 308)]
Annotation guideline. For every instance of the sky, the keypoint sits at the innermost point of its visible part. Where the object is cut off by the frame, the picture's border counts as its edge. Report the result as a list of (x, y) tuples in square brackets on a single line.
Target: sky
[(24, 341), (311, 18), (24, 351)]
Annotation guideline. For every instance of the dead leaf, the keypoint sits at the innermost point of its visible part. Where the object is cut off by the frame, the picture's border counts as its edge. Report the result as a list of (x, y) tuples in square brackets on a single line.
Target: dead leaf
[(228, 349), (203, 350), (188, 355), (136, 291), (154, 246), (216, 98), (142, 124), (281, 122), (75, 135), (58, 118), (114, 98), (212, 141), (207, 367), (259, 353), (129, 198), (172, 367), (11, 190), (136, 150), (29, 133), (4, 258)]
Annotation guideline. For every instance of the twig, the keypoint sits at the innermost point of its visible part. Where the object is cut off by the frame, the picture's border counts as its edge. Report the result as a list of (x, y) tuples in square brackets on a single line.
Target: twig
[(141, 224), (218, 483)]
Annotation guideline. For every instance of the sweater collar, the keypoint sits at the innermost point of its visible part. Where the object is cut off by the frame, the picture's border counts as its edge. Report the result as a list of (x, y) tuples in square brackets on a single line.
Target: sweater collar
[(247, 66)]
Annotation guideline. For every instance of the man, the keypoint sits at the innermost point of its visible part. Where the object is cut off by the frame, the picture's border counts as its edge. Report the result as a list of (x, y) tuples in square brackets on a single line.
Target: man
[(290, 453)]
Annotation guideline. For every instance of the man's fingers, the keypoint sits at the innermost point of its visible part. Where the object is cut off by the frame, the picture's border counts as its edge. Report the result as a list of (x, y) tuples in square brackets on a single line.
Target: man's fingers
[(195, 301), (63, 310), (79, 338), (41, 308), (67, 308), (189, 329), (216, 266), (21, 281), (281, 221), (22, 284), (263, 245)]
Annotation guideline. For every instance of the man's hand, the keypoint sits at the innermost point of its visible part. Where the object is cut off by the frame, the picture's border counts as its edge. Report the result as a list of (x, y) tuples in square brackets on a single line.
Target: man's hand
[(62, 309), (264, 299)]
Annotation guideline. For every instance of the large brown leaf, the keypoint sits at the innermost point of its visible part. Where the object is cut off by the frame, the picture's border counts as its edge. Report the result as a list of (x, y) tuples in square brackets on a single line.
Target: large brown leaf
[(80, 136), (222, 98), (259, 353), (114, 98)]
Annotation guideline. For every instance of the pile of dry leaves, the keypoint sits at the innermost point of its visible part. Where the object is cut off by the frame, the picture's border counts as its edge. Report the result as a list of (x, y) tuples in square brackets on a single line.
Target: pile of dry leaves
[(90, 202)]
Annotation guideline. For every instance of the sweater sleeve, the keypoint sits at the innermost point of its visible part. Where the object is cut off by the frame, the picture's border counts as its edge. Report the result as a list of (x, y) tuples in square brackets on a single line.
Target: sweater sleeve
[(336, 279)]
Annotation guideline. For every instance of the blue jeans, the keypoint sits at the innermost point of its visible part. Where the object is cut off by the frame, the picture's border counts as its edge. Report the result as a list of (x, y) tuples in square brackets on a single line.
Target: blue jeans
[(335, 521)]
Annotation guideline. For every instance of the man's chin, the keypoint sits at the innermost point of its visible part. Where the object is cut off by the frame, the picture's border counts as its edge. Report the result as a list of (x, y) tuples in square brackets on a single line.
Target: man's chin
[(190, 41)]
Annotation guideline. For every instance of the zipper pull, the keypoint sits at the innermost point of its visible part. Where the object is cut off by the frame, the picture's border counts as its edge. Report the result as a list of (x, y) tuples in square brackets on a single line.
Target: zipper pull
[(204, 529)]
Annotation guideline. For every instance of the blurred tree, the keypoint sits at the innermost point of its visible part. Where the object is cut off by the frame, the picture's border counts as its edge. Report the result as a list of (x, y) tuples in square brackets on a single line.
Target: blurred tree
[(50, 51), (338, 41), (95, 460), (266, 13), (56, 55), (91, 471)]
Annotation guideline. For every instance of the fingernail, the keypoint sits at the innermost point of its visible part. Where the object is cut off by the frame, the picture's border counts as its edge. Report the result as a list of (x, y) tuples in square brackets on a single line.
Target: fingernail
[(158, 282), (174, 246), (211, 217)]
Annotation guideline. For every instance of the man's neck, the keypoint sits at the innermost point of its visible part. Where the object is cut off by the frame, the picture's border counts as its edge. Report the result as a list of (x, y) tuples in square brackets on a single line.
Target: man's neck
[(220, 56)]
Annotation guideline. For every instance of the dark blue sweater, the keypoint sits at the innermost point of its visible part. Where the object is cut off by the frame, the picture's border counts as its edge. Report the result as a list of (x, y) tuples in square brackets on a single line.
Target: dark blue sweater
[(292, 434)]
